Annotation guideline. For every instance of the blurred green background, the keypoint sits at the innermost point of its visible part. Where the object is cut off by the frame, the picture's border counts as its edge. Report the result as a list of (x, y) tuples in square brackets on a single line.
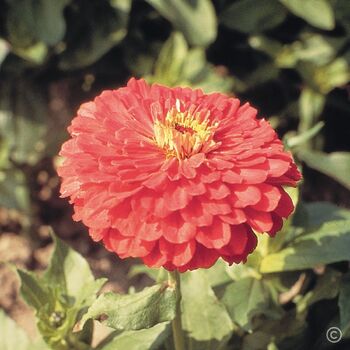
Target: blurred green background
[(288, 58)]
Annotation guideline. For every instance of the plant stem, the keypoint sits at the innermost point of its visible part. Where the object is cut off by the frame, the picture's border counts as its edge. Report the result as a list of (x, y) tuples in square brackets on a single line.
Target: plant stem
[(178, 334)]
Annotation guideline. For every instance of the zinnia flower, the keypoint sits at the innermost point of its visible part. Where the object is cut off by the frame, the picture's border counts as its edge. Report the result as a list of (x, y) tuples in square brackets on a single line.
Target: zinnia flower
[(174, 176)]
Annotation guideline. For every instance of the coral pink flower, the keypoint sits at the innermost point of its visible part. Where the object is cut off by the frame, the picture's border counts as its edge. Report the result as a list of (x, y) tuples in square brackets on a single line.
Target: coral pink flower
[(175, 177)]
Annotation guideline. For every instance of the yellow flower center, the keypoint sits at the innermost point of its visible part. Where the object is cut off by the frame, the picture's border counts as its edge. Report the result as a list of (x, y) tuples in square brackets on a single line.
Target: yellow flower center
[(182, 134)]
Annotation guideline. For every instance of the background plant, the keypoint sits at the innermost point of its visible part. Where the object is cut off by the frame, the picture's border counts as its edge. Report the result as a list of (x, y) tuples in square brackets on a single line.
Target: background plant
[(289, 58)]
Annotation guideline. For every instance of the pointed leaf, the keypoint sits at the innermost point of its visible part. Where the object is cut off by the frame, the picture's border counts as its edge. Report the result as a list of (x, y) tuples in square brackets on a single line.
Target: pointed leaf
[(195, 19), (247, 298), (14, 192), (68, 269), (32, 291), (251, 16), (102, 26), (320, 291), (50, 25), (171, 59), (204, 318), (320, 212), (135, 311), (304, 137), (60, 297), (336, 165), (23, 110), (318, 13), (327, 244), (145, 339), (311, 104), (325, 78)]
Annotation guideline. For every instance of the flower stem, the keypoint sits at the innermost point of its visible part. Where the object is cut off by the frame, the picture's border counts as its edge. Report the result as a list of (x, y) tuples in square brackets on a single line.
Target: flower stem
[(178, 334)]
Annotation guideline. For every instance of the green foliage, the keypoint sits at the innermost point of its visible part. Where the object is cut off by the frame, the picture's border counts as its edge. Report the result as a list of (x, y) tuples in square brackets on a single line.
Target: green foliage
[(336, 164), (318, 13), (103, 27), (14, 190), (253, 293), (60, 296), (135, 311), (320, 212), (245, 298), (325, 245), (311, 104), (255, 298), (179, 65), (64, 299), (196, 19), (201, 323), (145, 339), (250, 16)]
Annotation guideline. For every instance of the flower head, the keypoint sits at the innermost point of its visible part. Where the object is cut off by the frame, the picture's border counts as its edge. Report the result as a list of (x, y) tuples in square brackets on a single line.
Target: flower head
[(174, 176)]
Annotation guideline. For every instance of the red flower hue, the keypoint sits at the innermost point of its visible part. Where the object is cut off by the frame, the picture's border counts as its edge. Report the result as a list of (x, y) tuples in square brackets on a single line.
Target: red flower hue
[(174, 176)]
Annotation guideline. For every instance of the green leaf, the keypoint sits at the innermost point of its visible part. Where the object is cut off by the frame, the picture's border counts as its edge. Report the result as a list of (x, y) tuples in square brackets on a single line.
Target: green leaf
[(12, 336), (20, 23), (23, 109), (274, 331), (311, 104), (135, 311), (201, 311), (50, 25), (336, 165), (195, 19), (310, 47), (321, 212), (145, 339), (36, 53), (177, 65), (218, 275), (169, 65), (297, 140), (325, 245), (316, 48), (14, 192), (247, 298), (344, 304), (326, 77), (320, 291), (270, 47), (318, 13), (32, 290), (60, 297), (69, 270), (251, 16), (249, 269), (40, 20), (102, 27), (195, 65)]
